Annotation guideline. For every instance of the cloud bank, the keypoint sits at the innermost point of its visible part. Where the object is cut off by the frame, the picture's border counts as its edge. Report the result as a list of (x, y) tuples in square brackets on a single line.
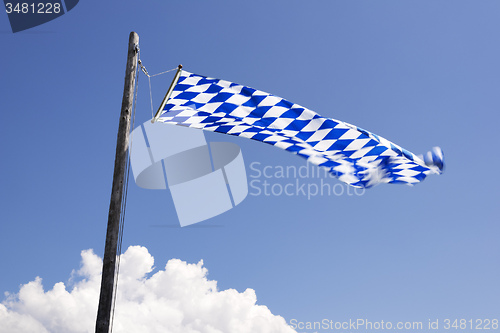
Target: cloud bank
[(178, 299)]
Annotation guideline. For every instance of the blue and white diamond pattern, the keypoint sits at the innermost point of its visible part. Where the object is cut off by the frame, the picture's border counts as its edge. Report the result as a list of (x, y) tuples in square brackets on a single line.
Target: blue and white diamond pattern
[(356, 156)]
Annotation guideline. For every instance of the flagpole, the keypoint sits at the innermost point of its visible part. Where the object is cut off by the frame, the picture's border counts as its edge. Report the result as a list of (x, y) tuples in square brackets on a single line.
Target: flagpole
[(115, 205), (167, 95)]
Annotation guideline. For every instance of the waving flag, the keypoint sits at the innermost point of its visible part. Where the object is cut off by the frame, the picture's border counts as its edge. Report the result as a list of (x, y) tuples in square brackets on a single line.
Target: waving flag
[(356, 156)]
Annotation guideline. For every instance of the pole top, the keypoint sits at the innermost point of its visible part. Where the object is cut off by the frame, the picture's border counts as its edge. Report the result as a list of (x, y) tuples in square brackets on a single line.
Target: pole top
[(133, 41)]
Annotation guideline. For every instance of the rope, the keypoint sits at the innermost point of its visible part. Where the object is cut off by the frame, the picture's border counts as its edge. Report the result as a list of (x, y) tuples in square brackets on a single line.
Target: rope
[(150, 96), (170, 70), (145, 71), (124, 205)]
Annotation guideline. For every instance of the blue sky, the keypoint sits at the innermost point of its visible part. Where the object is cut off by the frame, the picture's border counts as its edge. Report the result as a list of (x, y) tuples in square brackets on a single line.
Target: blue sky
[(419, 73)]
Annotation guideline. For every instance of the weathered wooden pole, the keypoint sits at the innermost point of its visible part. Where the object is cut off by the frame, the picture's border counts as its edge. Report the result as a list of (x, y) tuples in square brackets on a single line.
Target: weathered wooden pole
[(115, 205)]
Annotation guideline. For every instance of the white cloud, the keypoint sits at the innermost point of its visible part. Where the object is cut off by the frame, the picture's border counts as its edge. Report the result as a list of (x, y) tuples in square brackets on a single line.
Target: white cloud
[(178, 299)]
